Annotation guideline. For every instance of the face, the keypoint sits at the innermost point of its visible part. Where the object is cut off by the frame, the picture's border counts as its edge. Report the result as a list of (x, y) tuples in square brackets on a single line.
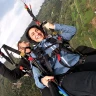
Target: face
[(22, 46), (36, 34)]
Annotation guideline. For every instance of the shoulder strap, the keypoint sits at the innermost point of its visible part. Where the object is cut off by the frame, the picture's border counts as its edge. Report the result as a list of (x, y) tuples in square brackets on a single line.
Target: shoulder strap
[(63, 44), (43, 60)]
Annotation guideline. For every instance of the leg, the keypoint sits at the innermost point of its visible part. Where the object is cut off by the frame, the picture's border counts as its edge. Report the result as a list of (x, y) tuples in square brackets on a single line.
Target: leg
[(90, 63), (45, 92), (51, 91), (80, 83), (85, 50)]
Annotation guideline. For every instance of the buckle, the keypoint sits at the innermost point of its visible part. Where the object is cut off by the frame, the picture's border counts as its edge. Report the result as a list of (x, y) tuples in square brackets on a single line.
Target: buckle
[(82, 60)]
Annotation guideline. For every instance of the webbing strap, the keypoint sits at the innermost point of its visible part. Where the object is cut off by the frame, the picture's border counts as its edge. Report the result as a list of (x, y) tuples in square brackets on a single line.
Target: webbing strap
[(39, 66), (58, 57), (30, 59)]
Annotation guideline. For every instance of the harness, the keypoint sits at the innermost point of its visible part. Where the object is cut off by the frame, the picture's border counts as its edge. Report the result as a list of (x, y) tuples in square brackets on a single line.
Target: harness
[(44, 65), (63, 46)]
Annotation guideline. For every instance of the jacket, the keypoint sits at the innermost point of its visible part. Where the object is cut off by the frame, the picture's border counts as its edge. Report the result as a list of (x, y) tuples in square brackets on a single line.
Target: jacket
[(15, 74), (67, 32)]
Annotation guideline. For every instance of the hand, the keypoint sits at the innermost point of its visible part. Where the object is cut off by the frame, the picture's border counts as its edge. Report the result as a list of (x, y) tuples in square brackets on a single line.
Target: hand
[(48, 26), (46, 79)]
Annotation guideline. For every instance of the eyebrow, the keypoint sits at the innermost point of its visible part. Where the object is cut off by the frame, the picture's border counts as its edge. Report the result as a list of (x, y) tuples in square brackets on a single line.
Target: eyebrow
[(21, 47)]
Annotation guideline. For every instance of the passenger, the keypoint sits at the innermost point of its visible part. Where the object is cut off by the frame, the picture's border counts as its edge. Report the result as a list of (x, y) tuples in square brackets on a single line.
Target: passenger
[(78, 83)]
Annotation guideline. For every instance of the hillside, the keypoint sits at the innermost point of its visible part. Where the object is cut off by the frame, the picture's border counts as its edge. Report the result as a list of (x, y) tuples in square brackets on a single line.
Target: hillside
[(73, 12)]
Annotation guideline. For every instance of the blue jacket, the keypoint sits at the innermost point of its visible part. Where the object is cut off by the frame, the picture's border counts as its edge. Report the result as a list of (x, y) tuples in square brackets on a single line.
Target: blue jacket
[(67, 32)]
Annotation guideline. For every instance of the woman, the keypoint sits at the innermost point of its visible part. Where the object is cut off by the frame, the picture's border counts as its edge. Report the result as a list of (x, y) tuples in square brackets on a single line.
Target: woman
[(68, 81)]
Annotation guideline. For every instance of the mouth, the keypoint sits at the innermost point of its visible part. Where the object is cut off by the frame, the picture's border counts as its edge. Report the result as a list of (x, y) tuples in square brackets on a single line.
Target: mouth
[(38, 36)]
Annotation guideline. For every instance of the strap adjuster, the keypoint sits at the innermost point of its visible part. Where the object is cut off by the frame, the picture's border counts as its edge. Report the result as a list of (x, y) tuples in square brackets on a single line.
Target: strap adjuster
[(82, 60)]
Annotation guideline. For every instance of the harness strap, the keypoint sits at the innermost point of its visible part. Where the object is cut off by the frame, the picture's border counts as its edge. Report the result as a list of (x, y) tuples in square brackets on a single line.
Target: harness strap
[(30, 59), (48, 64), (58, 57), (39, 66), (63, 45)]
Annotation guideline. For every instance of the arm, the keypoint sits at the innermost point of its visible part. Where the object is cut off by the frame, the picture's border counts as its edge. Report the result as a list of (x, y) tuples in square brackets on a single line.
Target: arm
[(37, 76), (41, 81), (67, 32), (12, 75)]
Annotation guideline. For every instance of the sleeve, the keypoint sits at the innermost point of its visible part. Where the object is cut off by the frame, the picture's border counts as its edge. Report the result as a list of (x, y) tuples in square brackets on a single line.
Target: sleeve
[(12, 75), (37, 74), (67, 32)]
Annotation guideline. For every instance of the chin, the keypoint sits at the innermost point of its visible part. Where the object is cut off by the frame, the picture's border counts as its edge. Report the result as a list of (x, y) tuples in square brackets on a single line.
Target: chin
[(39, 40)]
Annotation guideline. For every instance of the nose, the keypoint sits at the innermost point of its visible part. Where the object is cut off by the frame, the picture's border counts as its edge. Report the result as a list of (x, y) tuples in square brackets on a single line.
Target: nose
[(36, 33)]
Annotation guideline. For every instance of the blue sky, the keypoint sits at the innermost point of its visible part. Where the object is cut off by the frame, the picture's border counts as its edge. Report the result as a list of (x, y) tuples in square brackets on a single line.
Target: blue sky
[(5, 6), (14, 19)]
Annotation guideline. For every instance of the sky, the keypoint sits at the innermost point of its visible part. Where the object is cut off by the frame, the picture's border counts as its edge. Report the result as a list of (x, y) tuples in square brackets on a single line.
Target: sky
[(14, 19)]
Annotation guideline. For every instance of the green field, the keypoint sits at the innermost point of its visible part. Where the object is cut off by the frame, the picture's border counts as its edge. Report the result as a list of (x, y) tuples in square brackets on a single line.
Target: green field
[(79, 13), (82, 14)]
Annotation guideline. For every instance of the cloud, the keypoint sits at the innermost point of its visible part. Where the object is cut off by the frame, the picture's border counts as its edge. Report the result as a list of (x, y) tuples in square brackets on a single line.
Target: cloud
[(14, 23), (16, 20)]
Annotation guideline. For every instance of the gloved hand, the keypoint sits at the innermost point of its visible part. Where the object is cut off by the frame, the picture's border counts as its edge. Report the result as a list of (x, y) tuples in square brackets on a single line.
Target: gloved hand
[(49, 26)]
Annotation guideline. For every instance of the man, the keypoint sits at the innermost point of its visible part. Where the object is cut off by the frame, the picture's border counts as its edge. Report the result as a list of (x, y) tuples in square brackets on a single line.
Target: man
[(16, 73), (75, 83), (24, 47)]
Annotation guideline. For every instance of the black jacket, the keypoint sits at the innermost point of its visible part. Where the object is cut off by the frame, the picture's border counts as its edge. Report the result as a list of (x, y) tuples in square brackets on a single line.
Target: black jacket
[(16, 73)]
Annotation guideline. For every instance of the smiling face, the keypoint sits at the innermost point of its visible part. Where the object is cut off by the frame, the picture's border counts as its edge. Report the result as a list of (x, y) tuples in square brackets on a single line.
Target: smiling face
[(36, 34)]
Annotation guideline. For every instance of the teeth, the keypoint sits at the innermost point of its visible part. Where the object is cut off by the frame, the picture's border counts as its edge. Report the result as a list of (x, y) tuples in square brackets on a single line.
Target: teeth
[(38, 36)]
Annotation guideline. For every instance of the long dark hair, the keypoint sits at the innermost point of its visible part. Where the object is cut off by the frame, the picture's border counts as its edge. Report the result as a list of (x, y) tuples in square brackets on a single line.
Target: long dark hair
[(27, 33)]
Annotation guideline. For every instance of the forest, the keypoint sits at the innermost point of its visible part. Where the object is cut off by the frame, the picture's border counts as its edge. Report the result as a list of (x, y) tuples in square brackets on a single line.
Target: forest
[(79, 13)]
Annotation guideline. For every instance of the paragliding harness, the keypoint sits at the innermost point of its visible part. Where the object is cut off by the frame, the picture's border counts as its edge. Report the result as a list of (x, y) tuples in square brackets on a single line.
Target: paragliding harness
[(44, 58), (63, 46), (46, 70)]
